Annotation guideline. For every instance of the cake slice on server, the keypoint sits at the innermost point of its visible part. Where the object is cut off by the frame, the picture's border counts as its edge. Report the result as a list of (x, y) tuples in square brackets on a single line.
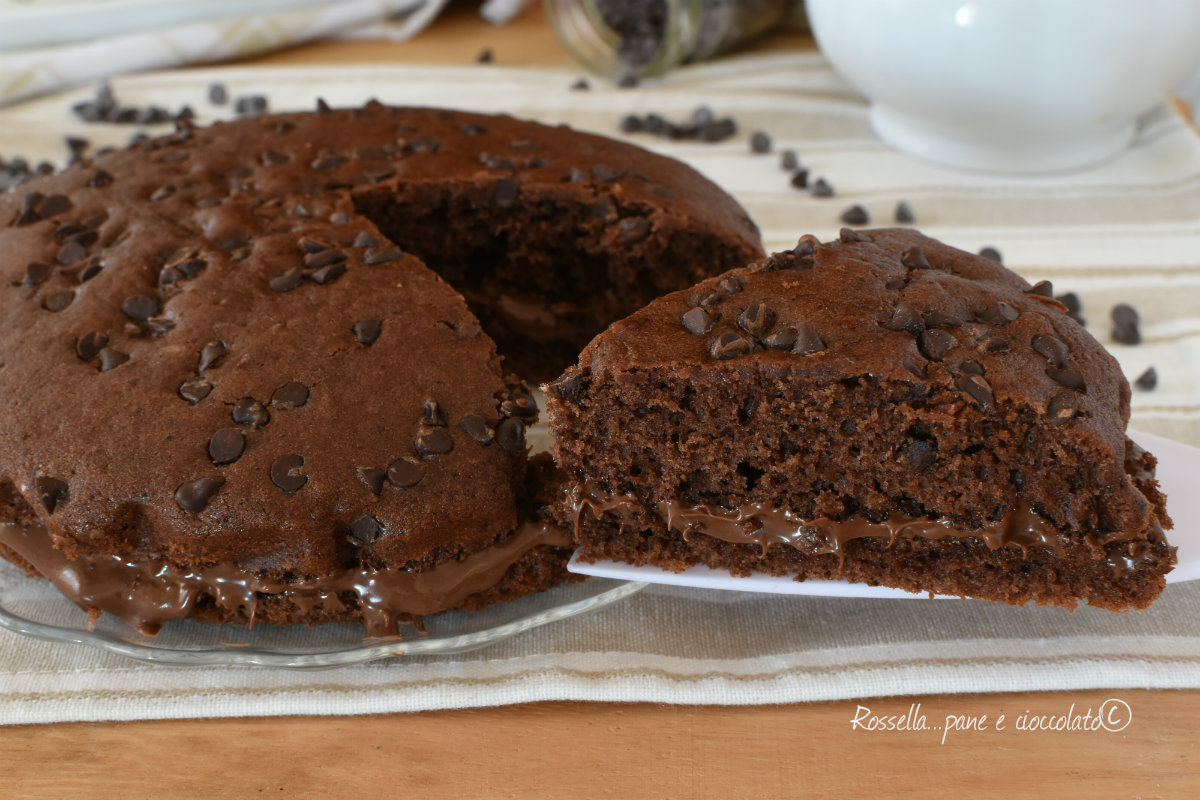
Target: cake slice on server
[(883, 409)]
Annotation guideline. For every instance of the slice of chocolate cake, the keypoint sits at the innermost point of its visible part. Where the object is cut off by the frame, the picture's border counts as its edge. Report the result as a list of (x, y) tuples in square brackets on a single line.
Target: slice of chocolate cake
[(883, 409)]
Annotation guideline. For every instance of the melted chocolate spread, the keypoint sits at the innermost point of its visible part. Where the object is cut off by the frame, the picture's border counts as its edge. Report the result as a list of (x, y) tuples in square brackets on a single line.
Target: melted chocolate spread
[(147, 595)]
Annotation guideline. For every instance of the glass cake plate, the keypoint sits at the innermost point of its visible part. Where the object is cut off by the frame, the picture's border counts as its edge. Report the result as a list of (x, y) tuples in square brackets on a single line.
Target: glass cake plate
[(33, 607)]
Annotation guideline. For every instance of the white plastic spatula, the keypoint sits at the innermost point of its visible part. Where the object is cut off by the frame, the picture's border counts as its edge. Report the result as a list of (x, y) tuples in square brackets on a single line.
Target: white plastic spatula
[(1178, 473)]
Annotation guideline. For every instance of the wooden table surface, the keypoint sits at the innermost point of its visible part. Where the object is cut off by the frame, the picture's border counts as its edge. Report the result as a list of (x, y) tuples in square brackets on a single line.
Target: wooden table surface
[(610, 750)]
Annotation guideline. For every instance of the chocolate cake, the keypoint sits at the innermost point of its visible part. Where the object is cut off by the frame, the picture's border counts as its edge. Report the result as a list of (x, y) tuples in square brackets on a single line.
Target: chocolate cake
[(243, 375), (882, 408)]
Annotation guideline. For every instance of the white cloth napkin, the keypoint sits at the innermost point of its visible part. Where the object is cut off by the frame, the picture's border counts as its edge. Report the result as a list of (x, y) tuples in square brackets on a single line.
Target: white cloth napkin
[(1126, 231)]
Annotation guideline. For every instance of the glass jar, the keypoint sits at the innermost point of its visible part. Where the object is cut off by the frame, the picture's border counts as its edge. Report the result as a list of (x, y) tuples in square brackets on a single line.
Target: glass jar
[(631, 39)]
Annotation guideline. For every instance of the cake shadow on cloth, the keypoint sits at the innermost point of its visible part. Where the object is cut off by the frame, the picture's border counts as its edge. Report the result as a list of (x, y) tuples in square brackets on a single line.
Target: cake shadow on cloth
[(881, 408)]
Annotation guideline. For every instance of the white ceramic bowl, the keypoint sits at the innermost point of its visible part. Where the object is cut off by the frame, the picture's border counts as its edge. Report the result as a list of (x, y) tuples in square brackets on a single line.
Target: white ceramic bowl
[(1009, 85)]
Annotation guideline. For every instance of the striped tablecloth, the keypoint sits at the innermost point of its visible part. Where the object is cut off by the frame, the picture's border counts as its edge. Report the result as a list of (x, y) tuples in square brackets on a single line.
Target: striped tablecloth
[(1126, 231)]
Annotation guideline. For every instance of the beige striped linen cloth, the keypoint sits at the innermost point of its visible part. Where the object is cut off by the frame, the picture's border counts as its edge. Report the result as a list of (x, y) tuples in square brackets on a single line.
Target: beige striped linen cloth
[(1128, 230)]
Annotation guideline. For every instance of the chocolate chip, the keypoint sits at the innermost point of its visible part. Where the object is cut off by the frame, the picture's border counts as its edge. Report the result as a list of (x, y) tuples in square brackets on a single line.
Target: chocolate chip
[(289, 396), (111, 359), (606, 174), (914, 258), (969, 367), (286, 281), (322, 106), (760, 142), (274, 158), (140, 307), (1068, 376), (53, 492), (250, 104), (89, 345), (59, 300), (697, 321), (913, 367), (433, 441), (756, 319), (788, 161), (904, 213), (286, 474), (520, 405), (249, 411), (631, 123), (919, 455), (194, 496), (211, 355), (780, 340), (431, 414), (822, 188), (935, 343), (729, 345), (994, 344), (1125, 321), (1071, 301), (1060, 409), (379, 174), (477, 428), (575, 175), (365, 529), (977, 387), (195, 389), (54, 205), (327, 274), (367, 331), (36, 273), (856, 215), (808, 341), (71, 253), (316, 259), (846, 235), (364, 240), (905, 318), (730, 286), (373, 257), (405, 473), (992, 253), (1051, 348), (580, 85), (100, 179), (217, 94), (226, 445), (632, 230), (327, 161), (373, 479), (1042, 288), (799, 179), (505, 194), (510, 435), (1147, 380), (999, 313), (936, 318)]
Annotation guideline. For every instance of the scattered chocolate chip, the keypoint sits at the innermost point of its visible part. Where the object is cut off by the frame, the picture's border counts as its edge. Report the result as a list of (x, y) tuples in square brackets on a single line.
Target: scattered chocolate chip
[(211, 355), (1051, 348), (580, 85), (379, 174), (327, 274), (729, 345), (59, 300), (822, 188), (520, 405), (936, 318), (788, 161), (994, 344), (631, 123), (1071, 301), (405, 473), (226, 445), (575, 175), (1043, 288), (969, 367), (431, 414), (847, 235), (286, 474), (904, 213), (89, 345), (1068, 376), (799, 179), (365, 239), (992, 253), (905, 318), (433, 441), (289, 396), (195, 389), (756, 319), (54, 205), (808, 341), (632, 230), (780, 340), (760, 142), (321, 258), (856, 215), (53, 492), (71, 253), (36, 273), (194, 496), (1060, 409), (373, 479), (250, 104), (249, 411), (1125, 321), (606, 174), (286, 281), (505, 194), (914, 258), (140, 307), (977, 387), (322, 107), (374, 257), (913, 367), (111, 359), (101, 179), (477, 428), (1147, 380), (367, 331), (510, 435), (730, 286), (217, 94), (698, 321), (1000, 313), (365, 529), (273, 158), (919, 455), (935, 343)]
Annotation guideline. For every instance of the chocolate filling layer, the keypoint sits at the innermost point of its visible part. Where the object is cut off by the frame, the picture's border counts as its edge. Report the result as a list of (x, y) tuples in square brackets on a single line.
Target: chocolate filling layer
[(757, 524), (147, 595)]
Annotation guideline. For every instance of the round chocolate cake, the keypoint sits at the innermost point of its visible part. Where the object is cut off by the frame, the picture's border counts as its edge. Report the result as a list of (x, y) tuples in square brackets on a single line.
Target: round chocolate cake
[(881, 408), (250, 372)]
